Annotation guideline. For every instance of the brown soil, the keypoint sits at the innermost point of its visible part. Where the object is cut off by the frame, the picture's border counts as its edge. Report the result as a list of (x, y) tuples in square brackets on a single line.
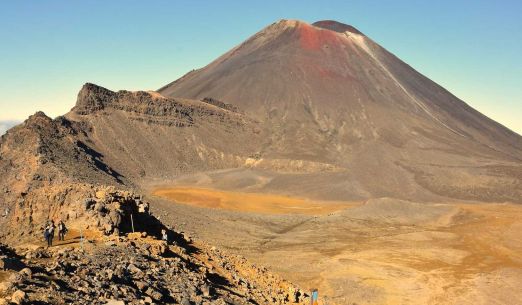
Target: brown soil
[(3, 276), (249, 202)]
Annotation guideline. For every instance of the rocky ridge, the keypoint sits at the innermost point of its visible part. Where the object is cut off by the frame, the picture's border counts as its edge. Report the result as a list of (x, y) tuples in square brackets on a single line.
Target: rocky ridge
[(112, 264), (56, 171), (139, 270), (180, 112), (50, 166)]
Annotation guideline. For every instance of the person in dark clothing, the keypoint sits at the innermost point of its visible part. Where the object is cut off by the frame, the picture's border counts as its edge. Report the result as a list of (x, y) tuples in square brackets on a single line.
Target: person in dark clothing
[(46, 234), (62, 230), (49, 233)]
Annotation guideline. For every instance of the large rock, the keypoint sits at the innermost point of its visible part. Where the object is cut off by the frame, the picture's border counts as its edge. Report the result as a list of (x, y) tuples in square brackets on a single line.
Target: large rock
[(101, 194), (93, 98), (158, 249), (115, 216), (18, 297), (115, 302), (5, 286), (154, 294), (142, 286), (135, 235), (3, 263), (26, 272)]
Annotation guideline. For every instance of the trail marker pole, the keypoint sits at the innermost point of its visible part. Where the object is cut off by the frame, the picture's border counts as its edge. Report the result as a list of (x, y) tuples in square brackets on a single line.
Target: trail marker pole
[(81, 239), (132, 223)]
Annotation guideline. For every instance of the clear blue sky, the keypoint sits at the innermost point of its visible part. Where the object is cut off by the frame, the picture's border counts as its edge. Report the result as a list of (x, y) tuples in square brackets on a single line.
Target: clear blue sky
[(49, 49)]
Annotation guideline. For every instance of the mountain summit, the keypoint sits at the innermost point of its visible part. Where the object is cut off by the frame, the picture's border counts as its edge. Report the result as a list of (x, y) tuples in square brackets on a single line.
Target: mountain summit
[(327, 93), (336, 26)]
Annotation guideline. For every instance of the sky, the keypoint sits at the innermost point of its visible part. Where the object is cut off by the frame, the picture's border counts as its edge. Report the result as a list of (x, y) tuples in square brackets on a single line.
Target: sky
[(49, 49)]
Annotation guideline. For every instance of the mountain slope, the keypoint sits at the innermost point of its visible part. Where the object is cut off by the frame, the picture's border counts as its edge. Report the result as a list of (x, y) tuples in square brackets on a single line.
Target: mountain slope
[(111, 139), (145, 135), (47, 167), (325, 92)]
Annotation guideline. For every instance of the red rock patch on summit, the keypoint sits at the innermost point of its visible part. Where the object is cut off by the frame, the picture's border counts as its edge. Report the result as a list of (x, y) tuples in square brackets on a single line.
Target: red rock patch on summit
[(312, 38)]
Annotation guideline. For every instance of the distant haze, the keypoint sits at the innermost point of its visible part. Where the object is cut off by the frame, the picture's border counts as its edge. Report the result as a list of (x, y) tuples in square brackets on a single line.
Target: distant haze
[(5, 125)]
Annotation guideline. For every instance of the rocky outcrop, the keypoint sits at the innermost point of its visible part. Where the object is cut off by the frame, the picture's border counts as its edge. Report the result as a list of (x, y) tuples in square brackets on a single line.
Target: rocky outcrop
[(92, 98), (145, 135), (50, 166), (132, 271), (336, 26), (181, 113), (220, 104), (47, 165), (116, 212)]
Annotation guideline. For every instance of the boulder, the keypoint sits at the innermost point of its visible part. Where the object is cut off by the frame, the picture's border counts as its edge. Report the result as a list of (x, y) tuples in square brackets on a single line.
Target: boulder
[(143, 207), (115, 302), (205, 290), (18, 297), (3, 263), (101, 194), (26, 272), (133, 269), (115, 216), (134, 235), (186, 237), (154, 294), (185, 301), (158, 249), (142, 286), (108, 228), (5, 286)]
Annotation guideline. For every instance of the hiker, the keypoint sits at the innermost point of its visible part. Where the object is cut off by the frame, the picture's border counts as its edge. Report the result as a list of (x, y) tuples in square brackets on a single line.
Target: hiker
[(62, 230), (294, 294), (49, 233), (164, 235), (143, 207), (46, 232)]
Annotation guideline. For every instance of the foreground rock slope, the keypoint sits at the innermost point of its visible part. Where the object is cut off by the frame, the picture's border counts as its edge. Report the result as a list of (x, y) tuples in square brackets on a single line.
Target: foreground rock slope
[(57, 169), (137, 270), (103, 261)]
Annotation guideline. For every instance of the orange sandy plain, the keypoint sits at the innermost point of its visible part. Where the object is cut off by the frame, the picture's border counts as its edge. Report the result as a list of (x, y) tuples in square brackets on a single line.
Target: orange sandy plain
[(249, 202), (470, 255)]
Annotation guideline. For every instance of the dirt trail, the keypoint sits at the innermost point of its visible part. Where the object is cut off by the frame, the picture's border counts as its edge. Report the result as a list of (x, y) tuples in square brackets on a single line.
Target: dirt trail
[(72, 239)]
